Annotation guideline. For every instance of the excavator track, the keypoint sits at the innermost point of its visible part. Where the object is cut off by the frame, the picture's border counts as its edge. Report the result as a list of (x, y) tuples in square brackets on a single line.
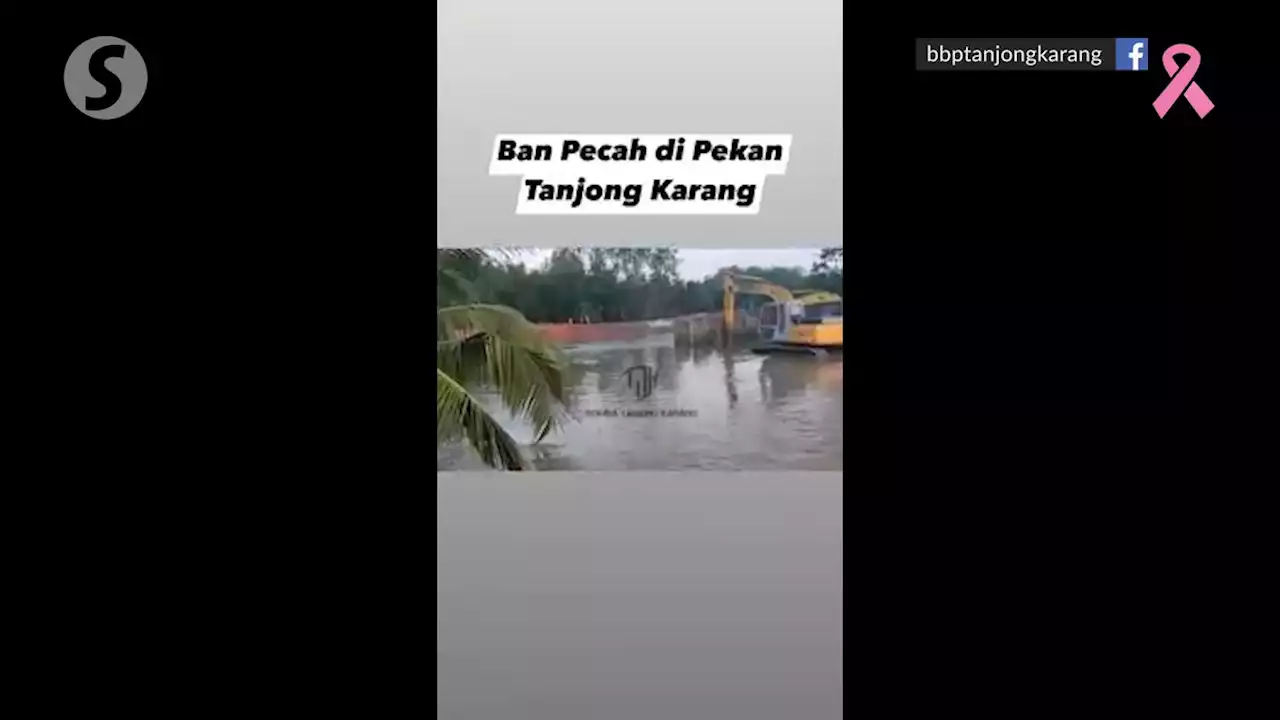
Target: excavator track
[(782, 349)]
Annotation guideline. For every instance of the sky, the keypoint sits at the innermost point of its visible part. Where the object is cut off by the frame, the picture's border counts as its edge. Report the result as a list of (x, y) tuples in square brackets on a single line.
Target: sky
[(696, 264)]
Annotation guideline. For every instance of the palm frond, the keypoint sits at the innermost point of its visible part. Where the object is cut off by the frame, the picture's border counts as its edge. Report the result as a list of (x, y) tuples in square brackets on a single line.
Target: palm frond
[(458, 321), (459, 415), (451, 284), (494, 346), (495, 254), (473, 254)]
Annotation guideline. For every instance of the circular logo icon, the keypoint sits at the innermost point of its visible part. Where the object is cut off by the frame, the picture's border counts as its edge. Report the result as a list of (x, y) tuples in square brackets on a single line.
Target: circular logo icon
[(105, 78)]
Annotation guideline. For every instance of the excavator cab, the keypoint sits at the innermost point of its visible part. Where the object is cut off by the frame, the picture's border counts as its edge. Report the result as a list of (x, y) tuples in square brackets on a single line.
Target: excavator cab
[(772, 322), (777, 319), (803, 319)]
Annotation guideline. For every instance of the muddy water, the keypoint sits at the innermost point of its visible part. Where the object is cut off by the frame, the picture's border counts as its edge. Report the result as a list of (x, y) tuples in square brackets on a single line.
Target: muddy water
[(708, 410)]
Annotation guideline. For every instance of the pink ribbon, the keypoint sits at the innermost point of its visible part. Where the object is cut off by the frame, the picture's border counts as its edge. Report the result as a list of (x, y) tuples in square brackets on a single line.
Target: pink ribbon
[(1182, 84)]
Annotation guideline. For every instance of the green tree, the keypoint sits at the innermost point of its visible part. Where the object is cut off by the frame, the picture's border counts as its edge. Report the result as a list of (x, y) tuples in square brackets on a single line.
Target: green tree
[(619, 284), (493, 347), (830, 259)]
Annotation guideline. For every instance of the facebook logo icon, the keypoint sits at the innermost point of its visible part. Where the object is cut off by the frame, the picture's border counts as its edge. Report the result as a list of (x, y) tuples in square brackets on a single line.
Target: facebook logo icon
[(1131, 53)]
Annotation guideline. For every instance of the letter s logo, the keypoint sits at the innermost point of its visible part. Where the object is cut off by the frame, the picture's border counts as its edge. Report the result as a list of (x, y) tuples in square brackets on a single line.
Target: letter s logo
[(105, 78), (98, 71)]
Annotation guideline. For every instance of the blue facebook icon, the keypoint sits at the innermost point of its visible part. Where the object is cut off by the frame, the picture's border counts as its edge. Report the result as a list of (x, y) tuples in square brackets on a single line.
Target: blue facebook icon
[(1131, 53)]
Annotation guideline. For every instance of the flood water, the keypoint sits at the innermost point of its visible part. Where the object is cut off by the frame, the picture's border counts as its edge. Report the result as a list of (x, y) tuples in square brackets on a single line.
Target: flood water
[(709, 410), (634, 596)]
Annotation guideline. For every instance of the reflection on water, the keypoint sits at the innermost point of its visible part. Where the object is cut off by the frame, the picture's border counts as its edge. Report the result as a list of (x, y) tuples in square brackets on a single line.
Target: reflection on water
[(702, 413)]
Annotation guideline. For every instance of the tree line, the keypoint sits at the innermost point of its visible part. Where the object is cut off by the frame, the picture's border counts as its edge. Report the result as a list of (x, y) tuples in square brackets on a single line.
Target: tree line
[(607, 284)]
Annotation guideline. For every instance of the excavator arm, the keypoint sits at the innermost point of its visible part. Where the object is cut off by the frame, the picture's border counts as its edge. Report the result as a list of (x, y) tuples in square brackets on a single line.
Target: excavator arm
[(735, 284)]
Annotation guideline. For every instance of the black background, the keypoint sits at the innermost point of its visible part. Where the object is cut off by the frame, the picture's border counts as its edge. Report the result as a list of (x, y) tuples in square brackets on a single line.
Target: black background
[(220, 264), (1061, 291), (1049, 283), (214, 338), (1065, 387)]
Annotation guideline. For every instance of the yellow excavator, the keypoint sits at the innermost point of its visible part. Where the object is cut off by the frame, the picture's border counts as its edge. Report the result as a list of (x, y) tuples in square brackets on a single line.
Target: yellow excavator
[(805, 321)]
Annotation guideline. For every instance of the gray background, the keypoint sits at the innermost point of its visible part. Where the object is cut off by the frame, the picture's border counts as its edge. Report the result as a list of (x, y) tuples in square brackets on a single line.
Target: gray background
[(661, 66), (640, 596)]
